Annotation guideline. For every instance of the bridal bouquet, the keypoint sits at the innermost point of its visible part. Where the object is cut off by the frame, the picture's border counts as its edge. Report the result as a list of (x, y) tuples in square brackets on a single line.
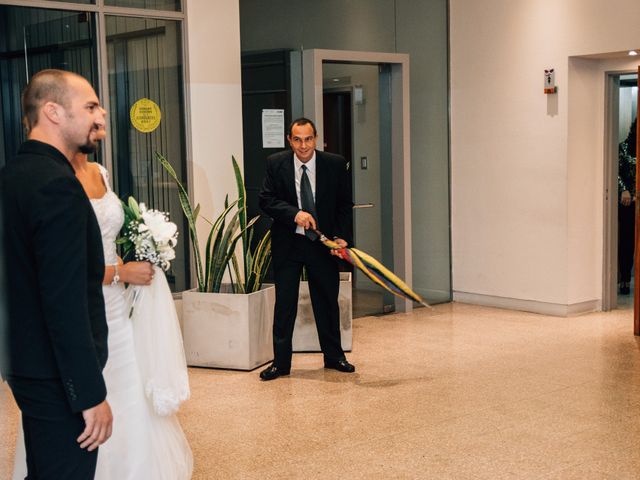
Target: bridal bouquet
[(149, 234), (151, 237)]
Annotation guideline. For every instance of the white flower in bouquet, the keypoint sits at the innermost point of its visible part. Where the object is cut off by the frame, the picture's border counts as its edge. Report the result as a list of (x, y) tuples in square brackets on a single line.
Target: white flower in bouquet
[(155, 237), (163, 231), (149, 234)]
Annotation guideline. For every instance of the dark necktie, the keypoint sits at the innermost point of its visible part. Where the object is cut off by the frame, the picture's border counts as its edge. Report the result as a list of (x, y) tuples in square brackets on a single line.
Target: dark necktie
[(306, 199)]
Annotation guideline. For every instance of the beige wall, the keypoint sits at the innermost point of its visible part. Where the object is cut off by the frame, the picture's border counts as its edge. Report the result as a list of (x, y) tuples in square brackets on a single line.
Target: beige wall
[(527, 168), (215, 102)]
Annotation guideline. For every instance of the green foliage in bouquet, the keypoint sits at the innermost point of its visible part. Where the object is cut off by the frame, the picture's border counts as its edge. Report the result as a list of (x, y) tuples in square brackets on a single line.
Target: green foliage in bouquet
[(230, 227), (131, 214)]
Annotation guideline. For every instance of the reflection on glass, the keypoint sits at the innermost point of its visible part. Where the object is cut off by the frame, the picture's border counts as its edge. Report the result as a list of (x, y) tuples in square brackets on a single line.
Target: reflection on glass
[(33, 39), (145, 62), (172, 5)]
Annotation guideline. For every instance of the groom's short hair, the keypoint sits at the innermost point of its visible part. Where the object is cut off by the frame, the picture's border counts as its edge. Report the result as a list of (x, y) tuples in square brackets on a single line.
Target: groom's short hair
[(45, 86)]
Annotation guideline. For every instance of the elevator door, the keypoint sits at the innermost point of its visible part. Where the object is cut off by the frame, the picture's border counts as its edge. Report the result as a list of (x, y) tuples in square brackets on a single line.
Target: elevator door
[(356, 125)]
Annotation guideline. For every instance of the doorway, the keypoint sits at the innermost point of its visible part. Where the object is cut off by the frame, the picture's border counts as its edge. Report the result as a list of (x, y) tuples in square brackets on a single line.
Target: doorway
[(627, 210), (382, 199), (621, 208), (356, 126)]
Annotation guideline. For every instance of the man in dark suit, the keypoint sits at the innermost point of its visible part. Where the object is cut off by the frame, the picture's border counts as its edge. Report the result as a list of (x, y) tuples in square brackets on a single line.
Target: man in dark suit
[(304, 190), (56, 325)]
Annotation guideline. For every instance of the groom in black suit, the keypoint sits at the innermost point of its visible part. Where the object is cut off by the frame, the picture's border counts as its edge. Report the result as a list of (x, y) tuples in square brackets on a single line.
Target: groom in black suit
[(56, 326), (304, 190)]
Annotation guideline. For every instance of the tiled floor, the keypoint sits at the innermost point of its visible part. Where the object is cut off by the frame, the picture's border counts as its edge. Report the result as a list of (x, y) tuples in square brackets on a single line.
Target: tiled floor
[(461, 392)]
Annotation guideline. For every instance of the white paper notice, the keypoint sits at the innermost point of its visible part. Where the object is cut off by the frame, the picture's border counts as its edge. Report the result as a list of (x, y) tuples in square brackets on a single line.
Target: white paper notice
[(272, 128)]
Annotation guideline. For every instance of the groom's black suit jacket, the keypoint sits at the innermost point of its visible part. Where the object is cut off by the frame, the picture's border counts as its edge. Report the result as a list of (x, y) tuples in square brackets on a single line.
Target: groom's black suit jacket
[(54, 263), (334, 205)]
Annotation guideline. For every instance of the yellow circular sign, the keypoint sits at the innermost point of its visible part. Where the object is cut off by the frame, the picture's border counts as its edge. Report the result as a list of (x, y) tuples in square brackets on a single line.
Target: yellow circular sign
[(145, 115)]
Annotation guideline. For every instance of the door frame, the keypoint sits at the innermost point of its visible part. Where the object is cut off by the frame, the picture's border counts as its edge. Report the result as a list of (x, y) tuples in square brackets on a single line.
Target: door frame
[(610, 197), (312, 61)]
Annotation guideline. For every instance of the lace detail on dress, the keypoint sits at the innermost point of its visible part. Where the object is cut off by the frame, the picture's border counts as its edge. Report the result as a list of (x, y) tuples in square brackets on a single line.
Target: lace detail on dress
[(166, 400), (110, 215)]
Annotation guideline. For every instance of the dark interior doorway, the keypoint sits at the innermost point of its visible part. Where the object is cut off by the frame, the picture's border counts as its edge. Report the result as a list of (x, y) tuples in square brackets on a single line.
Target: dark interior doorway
[(337, 123), (340, 136), (626, 204), (338, 132)]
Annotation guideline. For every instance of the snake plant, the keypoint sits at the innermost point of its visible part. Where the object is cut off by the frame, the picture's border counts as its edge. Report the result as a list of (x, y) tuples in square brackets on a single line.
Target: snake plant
[(229, 228)]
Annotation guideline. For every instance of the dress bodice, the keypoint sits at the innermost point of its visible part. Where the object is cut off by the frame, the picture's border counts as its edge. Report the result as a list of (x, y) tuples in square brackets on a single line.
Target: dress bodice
[(108, 210)]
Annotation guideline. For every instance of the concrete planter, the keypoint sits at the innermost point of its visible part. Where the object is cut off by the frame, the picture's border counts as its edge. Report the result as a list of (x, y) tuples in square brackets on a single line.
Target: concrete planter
[(305, 335), (226, 330)]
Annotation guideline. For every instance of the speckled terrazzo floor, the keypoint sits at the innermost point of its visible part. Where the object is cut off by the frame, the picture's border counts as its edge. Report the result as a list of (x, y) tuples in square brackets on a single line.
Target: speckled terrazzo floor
[(461, 392)]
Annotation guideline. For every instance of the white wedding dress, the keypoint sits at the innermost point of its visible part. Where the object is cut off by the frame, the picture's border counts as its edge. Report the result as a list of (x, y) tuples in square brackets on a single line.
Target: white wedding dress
[(144, 445)]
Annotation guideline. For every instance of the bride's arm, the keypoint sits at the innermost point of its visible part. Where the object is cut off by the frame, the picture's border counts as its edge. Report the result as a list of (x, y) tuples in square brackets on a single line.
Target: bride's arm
[(133, 273)]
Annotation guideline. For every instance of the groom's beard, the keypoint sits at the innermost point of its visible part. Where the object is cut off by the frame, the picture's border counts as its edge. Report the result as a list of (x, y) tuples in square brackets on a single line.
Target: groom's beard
[(88, 148)]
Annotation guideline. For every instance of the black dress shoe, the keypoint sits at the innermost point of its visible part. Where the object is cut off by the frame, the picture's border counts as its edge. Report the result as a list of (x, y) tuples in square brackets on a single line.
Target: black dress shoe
[(340, 365), (272, 372)]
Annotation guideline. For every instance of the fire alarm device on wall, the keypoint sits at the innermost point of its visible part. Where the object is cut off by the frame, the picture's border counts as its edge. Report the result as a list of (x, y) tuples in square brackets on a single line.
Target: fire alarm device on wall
[(550, 81)]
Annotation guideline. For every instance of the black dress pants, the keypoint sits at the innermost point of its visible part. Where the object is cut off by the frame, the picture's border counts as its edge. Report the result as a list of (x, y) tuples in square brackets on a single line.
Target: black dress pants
[(50, 432), (324, 284), (626, 240)]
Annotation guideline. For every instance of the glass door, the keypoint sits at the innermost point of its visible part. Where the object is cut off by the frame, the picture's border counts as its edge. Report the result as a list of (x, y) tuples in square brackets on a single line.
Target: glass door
[(33, 39), (145, 68), (140, 62)]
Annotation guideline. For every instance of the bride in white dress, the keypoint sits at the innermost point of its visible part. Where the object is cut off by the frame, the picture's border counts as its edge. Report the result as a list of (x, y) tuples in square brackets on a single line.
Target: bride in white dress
[(143, 445)]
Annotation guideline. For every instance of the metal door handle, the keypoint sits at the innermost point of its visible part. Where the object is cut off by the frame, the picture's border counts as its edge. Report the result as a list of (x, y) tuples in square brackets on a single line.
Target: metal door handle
[(363, 205)]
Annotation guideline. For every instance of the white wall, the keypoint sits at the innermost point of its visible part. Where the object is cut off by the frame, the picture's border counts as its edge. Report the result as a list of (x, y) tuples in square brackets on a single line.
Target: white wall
[(527, 168), (215, 102)]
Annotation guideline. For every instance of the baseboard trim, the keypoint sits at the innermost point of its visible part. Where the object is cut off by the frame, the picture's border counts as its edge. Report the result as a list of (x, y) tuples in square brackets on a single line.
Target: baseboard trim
[(533, 306), (432, 296)]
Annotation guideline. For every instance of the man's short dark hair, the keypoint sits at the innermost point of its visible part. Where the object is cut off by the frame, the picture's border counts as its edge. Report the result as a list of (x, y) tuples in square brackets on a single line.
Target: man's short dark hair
[(302, 121), (45, 86)]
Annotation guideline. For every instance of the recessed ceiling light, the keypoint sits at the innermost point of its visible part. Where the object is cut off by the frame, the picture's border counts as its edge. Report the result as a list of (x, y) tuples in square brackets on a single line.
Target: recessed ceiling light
[(337, 79), (633, 53)]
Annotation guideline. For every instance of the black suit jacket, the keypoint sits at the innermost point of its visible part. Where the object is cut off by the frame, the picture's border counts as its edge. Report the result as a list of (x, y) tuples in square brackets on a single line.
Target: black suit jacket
[(56, 326), (334, 204)]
